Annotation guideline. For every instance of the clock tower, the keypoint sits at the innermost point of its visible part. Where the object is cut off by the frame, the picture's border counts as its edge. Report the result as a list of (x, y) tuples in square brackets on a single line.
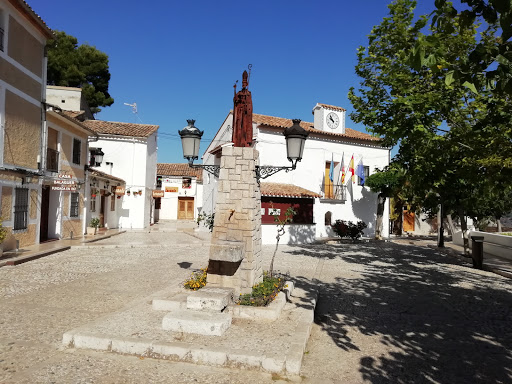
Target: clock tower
[(329, 118)]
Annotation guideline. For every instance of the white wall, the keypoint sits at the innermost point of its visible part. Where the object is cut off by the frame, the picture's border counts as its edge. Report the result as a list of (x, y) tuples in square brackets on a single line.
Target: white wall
[(361, 203), (132, 159), (169, 207), (294, 234)]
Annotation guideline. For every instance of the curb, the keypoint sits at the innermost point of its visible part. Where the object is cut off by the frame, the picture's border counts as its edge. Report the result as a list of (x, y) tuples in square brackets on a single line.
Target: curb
[(461, 257), (24, 259)]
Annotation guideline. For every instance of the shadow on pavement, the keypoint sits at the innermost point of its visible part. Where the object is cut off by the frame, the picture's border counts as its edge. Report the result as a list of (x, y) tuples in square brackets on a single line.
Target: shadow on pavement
[(437, 321)]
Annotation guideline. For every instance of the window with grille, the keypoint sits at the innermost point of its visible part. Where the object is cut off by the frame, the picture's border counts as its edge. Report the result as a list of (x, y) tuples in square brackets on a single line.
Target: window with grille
[(77, 151), (93, 200), (21, 208), (73, 212)]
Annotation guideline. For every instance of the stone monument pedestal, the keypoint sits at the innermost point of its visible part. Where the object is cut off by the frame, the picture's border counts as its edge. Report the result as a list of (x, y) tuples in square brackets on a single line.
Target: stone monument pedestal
[(235, 252)]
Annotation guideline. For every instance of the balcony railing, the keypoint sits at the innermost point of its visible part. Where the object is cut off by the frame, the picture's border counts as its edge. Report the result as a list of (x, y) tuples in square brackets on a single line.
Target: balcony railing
[(52, 160), (1, 39), (336, 192)]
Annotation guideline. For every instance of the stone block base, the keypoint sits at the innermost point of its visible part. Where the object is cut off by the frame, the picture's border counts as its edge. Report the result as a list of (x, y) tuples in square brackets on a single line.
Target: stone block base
[(202, 323)]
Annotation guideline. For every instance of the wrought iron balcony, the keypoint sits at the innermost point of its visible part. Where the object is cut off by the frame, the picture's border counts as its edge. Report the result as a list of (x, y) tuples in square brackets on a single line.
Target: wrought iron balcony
[(52, 160), (335, 192)]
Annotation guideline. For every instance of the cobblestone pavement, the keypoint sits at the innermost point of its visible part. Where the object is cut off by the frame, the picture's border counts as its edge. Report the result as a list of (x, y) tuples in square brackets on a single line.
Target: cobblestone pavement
[(387, 313)]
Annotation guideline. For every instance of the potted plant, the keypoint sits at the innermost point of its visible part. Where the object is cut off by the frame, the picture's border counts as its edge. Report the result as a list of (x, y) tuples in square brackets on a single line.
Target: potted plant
[(93, 226), (3, 235)]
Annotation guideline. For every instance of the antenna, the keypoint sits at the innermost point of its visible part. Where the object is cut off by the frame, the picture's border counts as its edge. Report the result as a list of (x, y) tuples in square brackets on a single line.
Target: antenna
[(134, 110), (134, 107)]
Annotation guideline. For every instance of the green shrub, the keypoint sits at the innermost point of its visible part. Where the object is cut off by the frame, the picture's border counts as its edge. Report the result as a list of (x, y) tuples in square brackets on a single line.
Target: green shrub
[(348, 229), (95, 222), (3, 232), (263, 293)]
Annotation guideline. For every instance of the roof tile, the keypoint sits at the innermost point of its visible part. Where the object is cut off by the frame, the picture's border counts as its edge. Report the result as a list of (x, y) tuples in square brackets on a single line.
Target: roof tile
[(122, 129), (333, 107), (286, 190), (97, 173), (281, 122), (170, 169)]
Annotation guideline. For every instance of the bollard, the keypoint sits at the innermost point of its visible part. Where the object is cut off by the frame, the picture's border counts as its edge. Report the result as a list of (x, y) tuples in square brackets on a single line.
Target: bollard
[(477, 253), (17, 245), (71, 235)]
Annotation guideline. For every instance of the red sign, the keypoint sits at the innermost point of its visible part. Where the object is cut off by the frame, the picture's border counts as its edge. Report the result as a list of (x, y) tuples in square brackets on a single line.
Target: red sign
[(171, 189)]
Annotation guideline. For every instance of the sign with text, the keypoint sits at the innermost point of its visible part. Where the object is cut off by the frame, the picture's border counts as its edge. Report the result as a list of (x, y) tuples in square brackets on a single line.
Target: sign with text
[(119, 191), (171, 189), (69, 188), (158, 193)]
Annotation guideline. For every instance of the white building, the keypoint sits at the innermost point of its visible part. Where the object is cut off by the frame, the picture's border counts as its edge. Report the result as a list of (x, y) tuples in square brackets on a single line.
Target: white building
[(308, 188), (130, 154), (182, 190)]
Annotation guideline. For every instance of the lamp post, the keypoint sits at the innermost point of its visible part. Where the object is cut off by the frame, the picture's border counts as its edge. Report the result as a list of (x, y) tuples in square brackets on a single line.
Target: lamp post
[(295, 140)]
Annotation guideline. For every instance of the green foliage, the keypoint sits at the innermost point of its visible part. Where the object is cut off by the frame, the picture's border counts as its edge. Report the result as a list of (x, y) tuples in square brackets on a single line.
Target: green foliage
[(348, 229), (455, 144), (95, 222), (388, 181), (264, 292), (207, 220), (488, 66), (3, 232), (83, 66), (197, 280)]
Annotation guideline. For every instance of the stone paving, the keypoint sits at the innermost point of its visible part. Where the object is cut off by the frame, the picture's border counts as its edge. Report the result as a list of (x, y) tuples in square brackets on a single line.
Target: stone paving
[(387, 313)]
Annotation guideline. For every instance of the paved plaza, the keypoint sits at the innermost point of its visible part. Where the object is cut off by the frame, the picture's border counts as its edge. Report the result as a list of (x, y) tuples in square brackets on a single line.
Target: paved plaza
[(387, 313)]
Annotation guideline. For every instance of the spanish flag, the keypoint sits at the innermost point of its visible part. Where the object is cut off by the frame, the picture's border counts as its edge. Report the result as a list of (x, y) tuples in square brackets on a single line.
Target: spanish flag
[(351, 169), (343, 169)]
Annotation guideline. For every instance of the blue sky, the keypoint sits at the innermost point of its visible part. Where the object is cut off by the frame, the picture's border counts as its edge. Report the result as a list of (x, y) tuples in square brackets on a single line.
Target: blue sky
[(179, 59)]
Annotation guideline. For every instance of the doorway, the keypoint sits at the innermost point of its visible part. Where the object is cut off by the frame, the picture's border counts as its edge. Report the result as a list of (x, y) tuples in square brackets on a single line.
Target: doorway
[(45, 211), (185, 208)]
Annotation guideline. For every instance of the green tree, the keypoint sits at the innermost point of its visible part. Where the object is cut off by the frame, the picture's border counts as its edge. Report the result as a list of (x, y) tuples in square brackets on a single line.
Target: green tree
[(386, 183), (489, 64), (83, 66), (452, 139)]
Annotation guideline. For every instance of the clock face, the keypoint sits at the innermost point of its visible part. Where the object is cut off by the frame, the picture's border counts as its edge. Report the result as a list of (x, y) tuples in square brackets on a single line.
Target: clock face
[(333, 120)]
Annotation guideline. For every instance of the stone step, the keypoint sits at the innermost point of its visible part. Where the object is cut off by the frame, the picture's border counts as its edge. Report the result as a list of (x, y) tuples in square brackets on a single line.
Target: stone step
[(210, 299), (201, 323)]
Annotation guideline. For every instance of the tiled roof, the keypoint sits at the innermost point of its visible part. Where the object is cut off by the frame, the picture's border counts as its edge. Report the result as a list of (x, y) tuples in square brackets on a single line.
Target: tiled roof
[(286, 190), (333, 107), (170, 169), (23, 7), (121, 129), (96, 173), (280, 122), (72, 116)]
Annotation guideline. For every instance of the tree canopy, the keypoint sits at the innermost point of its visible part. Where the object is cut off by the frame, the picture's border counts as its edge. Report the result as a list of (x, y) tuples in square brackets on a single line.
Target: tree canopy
[(454, 138), (73, 65)]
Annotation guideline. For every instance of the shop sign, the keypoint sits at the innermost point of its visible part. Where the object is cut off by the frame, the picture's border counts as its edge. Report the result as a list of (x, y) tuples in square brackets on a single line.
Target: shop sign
[(171, 189), (158, 193), (64, 182), (64, 176), (66, 188), (119, 191)]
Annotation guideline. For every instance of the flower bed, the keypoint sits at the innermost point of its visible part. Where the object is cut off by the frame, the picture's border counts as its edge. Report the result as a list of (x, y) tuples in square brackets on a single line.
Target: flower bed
[(197, 280), (264, 292)]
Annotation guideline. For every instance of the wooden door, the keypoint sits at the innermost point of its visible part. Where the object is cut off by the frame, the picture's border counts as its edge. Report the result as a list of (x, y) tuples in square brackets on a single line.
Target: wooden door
[(409, 221), (185, 208), (45, 210), (327, 182)]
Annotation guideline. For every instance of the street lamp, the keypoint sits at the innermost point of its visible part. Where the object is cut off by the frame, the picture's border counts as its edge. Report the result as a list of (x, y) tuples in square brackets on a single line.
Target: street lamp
[(96, 157), (190, 140), (295, 140)]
